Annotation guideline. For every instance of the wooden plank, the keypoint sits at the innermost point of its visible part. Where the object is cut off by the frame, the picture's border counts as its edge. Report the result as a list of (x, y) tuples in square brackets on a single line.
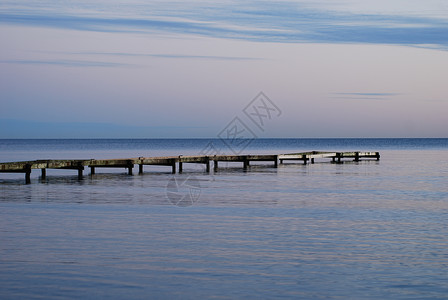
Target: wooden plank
[(236, 158), (66, 164), (307, 155), (110, 163), (163, 161), (262, 157), (193, 159), (15, 166)]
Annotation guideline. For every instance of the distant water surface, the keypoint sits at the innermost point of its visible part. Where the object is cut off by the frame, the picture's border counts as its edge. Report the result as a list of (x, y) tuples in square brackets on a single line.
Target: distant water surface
[(357, 230)]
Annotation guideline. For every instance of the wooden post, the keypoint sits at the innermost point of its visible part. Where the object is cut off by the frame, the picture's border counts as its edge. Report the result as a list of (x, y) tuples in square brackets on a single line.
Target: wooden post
[(92, 170), (245, 163), (304, 159), (312, 160), (140, 169), (27, 174), (180, 165), (215, 165), (275, 163), (377, 155), (28, 177), (357, 156), (281, 161), (207, 165), (80, 169), (173, 166), (338, 155), (44, 174), (130, 167)]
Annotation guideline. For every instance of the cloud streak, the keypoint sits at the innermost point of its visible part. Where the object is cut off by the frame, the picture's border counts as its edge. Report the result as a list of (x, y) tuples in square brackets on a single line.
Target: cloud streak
[(174, 56), (369, 94), (364, 96), (285, 22), (66, 63)]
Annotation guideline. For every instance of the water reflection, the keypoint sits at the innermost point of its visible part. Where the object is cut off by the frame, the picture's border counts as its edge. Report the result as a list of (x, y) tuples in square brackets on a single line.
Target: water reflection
[(353, 230)]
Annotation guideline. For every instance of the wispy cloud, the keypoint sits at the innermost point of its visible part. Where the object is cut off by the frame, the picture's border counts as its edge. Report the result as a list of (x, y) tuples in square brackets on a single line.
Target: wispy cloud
[(369, 94), (66, 63), (283, 21), (364, 96), (175, 56)]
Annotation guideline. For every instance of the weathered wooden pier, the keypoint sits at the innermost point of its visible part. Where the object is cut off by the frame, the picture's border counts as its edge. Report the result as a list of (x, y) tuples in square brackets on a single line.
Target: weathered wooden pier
[(172, 161)]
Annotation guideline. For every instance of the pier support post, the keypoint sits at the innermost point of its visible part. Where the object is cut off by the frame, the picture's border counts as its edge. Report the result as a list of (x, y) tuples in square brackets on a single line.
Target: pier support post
[(281, 161), (276, 163), (357, 156), (180, 165), (377, 155), (312, 160), (130, 167), (28, 177), (304, 159), (207, 165), (80, 169), (173, 166), (27, 174), (338, 156), (140, 169), (44, 174), (215, 165), (92, 170), (245, 163)]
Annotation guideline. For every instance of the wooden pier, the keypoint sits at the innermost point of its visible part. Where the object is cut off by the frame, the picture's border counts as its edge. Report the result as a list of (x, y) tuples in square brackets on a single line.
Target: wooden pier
[(172, 161)]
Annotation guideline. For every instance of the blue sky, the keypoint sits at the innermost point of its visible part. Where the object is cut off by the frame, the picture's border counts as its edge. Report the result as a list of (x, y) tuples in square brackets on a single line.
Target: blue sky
[(186, 69)]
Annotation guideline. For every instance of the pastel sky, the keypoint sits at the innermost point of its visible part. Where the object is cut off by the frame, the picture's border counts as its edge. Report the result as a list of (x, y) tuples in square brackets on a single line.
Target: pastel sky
[(151, 69)]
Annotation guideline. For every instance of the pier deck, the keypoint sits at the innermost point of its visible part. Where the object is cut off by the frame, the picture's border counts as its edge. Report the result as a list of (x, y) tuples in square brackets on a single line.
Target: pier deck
[(171, 161), (335, 156)]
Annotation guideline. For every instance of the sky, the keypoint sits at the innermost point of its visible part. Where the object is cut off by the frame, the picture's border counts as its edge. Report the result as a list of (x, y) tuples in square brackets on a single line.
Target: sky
[(198, 69)]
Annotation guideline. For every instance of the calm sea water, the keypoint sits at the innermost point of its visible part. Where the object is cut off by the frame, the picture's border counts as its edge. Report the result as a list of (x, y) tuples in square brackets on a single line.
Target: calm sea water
[(357, 230)]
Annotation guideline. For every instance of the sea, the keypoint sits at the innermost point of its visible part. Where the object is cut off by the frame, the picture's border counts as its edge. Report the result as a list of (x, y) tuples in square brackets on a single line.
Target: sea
[(353, 230)]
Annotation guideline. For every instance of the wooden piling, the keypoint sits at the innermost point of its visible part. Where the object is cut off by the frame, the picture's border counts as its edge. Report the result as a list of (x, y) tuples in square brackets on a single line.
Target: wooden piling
[(27, 173), (173, 166), (180, 164), (207, 165), (304, 159), (339, 156), (80, 169), (130, 166)]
